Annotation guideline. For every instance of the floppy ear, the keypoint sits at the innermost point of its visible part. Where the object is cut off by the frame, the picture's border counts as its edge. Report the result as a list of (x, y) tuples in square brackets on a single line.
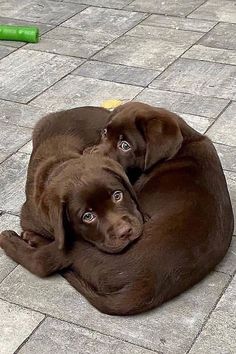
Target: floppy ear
[(163, 137), (57, 216)]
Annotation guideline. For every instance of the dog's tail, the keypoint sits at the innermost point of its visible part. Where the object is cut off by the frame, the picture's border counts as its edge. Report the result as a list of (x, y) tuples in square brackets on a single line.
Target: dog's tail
[(129, 300)]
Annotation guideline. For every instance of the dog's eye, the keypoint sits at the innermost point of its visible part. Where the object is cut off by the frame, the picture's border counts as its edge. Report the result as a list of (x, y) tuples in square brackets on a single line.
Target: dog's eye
[(117, 196), (88, 217), (124, 145)]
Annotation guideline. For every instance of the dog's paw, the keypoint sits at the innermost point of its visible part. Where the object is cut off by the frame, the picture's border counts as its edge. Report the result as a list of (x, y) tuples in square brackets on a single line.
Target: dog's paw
[(6, 236)]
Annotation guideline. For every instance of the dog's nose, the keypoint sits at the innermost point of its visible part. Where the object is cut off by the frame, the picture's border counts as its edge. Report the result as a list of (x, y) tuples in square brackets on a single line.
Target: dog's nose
[(123, 231)]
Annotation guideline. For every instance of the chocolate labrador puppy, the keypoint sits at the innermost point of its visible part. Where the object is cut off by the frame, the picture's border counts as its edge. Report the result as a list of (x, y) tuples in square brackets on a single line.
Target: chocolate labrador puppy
[(68, 195)]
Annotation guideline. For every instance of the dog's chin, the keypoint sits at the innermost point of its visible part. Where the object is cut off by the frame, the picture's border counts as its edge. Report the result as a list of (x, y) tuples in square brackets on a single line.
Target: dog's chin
[(118, 248)]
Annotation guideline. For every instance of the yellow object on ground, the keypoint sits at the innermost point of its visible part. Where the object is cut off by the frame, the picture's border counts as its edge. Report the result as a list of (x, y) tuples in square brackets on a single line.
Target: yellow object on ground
[(111, 104)]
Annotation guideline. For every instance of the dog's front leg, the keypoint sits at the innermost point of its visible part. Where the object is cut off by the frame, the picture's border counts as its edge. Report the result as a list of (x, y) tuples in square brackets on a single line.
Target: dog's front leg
[(42, 261)]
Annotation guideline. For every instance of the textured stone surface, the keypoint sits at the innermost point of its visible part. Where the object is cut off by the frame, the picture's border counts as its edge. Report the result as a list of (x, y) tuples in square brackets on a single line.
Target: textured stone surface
[(221, 36), (183, 103), (227, 156), (20, 114), (34, 72), (27, 148), (116, 73), (12, 137), (199, 78), (187, 24), (169, 7), (218, 335), (218, 10), (16, 324), (76, 91), (228, 265), (153, 53), (116, 4), (117, 21), (12, 180), (224, 130), (196, 122), (4, 51), (216, 55), (231, 182), (71, 41), (55, 336), (170, 328), (44, 11), (7, 222)]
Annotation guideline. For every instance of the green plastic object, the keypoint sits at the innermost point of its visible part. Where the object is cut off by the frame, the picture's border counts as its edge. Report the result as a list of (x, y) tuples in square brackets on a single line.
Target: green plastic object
[(19, 33)]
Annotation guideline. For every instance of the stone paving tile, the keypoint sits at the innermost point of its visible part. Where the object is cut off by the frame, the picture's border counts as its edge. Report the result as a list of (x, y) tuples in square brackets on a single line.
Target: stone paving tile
[(12, 181), (208, 107), (16, 324), (116, 21), (227, 156), (20, 114), (153, 53), (54, 336), (187, 24), (220, 10), (168, 7), (196, 122), (4, 51), (43, 28), (170, 328), (75, 91), (116, 73), (231, 182), (224, 130), (44, 11), (25, 73), (116, 4), (27, 148), (3, 155), (199, 78), (228, 265), (7, 222), (222, 36), (218, 335), (216, 55), (70, 41), (13, 137)]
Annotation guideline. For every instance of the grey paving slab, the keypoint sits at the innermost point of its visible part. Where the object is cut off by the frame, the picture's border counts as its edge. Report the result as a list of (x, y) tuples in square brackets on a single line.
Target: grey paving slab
[(116, 4), (4, 51), (222, 36), (168, 329), (219, 10), (199, 78), (228, 265), (72, 41), (55, 336), (116, 21), (224, 130), (12, 181), (218, 335), (179, 23), (13, 137), (26, 73), (186, 38), (227, 156), (3, 155), (231, 182), (117, 73), (27, 148), (20, 114), (7, 222), (75, 91), (11, 21), (142, 52), (44, 11), (183, 103), (216, 55), (169, 7), (16, 324), (197, 122)]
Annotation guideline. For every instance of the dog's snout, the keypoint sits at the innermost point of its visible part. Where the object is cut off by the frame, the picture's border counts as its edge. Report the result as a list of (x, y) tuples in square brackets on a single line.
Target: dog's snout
[(123, 231)]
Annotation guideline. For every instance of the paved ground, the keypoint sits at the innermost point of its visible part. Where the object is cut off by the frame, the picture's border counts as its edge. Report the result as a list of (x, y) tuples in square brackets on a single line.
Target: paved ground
[(177, 54)]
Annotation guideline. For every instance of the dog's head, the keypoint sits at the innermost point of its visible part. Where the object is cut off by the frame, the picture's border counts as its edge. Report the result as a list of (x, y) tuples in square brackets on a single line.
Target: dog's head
[(93, 198), (139, 135)]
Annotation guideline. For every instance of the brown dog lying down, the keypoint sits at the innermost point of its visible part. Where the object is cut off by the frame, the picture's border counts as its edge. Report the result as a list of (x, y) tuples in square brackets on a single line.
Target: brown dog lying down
[(69, 195), (191, 222)]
